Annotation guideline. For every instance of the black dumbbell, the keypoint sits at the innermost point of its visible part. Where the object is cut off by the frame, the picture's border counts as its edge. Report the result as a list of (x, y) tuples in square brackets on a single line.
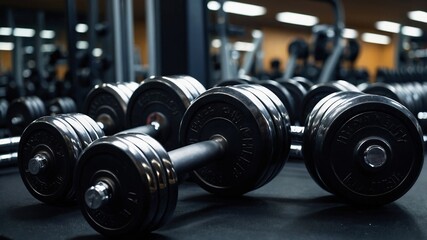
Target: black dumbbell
[(22, 111), (365, 148), (50, 146), (372, 147)]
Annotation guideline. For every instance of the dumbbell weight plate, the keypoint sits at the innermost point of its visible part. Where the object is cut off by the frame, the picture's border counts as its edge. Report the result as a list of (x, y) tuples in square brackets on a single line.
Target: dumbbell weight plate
[(232, 82), (345, 133), (161, 176), (134, 185), (196, 84), (236, 116), (107, 100), (24, 108), (83, 135), (275, 119), (315, 94), (159, 95), (307, 84), (38, 107), (405, 96), (311, 127), (348, 86), (172, 179), (385, 90), (54, 184), (283, 132), (284, 95), (183, 82), (297, 91)]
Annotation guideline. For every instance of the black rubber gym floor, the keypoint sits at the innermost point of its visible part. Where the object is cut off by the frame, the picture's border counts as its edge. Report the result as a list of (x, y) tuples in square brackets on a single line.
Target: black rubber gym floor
[(292, 206)]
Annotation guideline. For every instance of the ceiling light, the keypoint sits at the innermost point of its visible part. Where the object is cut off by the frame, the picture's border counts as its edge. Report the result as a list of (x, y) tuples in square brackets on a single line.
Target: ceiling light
[(5, 31), (81, 28), (375, 38), (412, 31), (350, 33), (214, 5), (388, 26), (420, 16), (47, 34), (23, 32), (393, 27), (297, 18), (244, 46), (6, 46), (238, 8)]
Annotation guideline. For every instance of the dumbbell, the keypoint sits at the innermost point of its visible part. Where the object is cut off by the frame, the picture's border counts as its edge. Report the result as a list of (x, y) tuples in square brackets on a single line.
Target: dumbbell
[(22, 111), (50, 146), (236, 139), (319, 91)]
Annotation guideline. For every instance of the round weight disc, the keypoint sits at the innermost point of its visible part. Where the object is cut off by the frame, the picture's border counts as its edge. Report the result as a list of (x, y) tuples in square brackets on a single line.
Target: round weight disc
[(275, 120), (196, 84), (163, 97), (284, 95), (159, 171), (316, 93), (352, 129), (283, 133), (19, 114), (82, 133), (348, 86), (172, 179), (298, 93), (184, 83), (125, 169), (55, 138), (107, 103), (312, 125), (307, 84), (383, 89), (237, 117), (232, 82), (91, 126)]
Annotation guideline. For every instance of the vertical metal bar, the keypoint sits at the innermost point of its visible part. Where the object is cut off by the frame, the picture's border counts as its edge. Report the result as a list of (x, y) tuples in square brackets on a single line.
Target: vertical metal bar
[(17, 55), (226, 64), (153, 35), (198, 51), (38, 48), (249, 58), (71, 44), (93, 15), (117, 42), (129, 41)]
